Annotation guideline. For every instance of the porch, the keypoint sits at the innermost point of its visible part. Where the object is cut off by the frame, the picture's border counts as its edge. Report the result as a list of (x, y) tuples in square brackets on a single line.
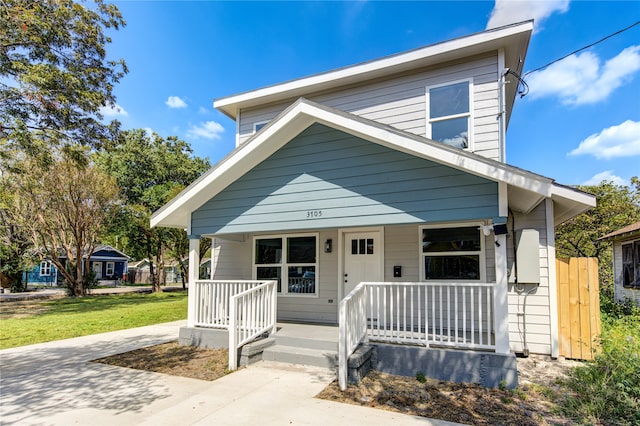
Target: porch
[(399, 328)]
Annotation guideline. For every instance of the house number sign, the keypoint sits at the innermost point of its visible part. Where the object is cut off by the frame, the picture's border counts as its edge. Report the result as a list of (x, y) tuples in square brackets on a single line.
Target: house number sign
[(314, 214)]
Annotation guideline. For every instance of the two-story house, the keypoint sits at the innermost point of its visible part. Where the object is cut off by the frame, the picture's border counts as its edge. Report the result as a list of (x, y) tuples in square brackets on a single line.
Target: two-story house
[(377, 197)]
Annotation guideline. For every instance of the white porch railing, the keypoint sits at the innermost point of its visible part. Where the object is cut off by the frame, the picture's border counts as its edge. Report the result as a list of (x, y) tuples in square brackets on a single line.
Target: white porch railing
[(212, 301), (246, 309), (456, 315), (251, 313)]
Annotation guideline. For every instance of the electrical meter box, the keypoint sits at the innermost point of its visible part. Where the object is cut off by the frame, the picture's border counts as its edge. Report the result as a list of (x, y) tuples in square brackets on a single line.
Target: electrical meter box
[(527, 257)]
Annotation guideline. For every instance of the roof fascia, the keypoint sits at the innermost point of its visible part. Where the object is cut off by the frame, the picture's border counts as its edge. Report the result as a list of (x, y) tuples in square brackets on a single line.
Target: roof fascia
[(242, 159), (424, 56)]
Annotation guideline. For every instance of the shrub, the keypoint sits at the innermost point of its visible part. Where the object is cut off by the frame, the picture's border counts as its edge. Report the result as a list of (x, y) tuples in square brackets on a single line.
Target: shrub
[(607, 390)]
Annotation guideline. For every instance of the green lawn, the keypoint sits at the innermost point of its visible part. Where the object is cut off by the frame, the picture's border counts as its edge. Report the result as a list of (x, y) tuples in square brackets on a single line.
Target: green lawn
[(43, 321)]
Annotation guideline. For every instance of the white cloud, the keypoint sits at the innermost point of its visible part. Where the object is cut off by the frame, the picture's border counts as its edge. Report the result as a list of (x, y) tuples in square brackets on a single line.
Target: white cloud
[(510, 11), (206, 130), (579, 79), (622, 140), (149, 131), (608, 176), (114, 110), (175, 102), (203, 110)]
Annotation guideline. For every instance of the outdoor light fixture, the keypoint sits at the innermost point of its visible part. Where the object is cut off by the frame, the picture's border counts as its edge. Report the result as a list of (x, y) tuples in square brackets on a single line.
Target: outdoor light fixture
[(328, 245), (500, 229)]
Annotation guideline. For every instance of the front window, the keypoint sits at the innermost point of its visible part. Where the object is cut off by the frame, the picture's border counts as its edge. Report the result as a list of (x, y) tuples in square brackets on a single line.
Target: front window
[(45, 268), (631, 264), (450, 114), (452, 253), (110, 268), (291, 260)]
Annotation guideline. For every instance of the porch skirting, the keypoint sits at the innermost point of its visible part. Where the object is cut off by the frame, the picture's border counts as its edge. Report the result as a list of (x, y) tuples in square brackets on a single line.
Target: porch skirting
[(210, 338), (487, 369)]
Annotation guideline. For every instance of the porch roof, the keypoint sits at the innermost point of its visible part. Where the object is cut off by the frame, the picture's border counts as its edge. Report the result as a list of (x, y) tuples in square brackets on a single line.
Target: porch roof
[(525, 189)]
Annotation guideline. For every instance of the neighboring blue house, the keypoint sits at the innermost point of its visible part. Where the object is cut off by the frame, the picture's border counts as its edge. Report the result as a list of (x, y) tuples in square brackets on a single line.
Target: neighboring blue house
[(108, 264), (44, 273)]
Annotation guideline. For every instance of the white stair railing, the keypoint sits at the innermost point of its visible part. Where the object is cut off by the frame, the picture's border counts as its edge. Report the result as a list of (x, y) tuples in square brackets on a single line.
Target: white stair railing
[(251, 314), (353, 329), (212, 301)]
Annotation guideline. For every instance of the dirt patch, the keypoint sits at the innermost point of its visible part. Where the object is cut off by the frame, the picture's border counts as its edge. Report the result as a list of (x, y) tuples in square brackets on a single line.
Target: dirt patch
[(174, 359), (533, 403), (22, 309)]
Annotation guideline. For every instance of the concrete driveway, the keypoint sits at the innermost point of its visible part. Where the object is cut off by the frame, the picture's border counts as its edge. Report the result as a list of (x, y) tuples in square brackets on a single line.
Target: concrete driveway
[(56, 384)]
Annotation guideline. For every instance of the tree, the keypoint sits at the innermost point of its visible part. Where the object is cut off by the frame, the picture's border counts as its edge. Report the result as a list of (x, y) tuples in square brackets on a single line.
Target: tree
[(62, 210), (54, 75), (150, 170), (617, 206), (14, 247)]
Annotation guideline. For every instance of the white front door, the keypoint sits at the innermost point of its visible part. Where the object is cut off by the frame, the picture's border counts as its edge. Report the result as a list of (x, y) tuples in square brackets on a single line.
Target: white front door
[(97, 269), (362, 259)]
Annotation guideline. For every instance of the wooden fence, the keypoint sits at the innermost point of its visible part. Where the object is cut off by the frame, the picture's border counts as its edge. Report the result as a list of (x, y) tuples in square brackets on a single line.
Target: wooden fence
[(578, 307)]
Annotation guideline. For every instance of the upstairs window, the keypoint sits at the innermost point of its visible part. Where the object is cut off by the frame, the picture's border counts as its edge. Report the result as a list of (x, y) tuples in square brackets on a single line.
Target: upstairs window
[(259, 125), (449, 110)]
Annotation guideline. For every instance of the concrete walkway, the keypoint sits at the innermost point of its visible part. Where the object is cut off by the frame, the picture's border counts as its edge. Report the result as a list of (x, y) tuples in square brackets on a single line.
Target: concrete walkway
[(55, 383)]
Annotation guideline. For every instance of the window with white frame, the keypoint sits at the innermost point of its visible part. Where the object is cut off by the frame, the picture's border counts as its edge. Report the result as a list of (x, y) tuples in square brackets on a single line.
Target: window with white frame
[(45, 268), (292, 260), (259, 125), (110, 269), (449, 114), (631, 264), (452, 253)]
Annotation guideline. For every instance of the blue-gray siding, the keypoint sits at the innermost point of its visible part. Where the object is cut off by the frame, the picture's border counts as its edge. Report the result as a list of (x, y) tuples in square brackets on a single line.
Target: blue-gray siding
[(325, 178)]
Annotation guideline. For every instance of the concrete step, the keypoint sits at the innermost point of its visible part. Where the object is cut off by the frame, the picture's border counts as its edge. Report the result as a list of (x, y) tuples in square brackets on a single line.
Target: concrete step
[(307, 342), (302, 356)]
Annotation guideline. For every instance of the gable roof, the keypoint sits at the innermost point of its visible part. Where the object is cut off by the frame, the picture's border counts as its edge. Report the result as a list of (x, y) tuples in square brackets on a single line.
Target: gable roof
[(525, 189), (513, 39), (627, 231), (101, 247)]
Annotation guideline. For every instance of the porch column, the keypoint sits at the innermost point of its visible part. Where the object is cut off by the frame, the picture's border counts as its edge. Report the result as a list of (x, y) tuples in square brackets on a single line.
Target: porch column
[(500, 299), (194, 269)]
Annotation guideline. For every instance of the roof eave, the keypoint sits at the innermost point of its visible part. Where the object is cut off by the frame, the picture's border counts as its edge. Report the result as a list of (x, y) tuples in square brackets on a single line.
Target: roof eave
[(514, 39)]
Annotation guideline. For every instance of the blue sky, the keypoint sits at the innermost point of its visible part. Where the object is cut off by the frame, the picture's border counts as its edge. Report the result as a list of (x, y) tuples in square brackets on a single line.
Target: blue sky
[(579, 124)]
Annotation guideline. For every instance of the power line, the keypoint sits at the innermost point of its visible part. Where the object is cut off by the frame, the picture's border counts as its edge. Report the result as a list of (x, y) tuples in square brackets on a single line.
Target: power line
[(582, 48)]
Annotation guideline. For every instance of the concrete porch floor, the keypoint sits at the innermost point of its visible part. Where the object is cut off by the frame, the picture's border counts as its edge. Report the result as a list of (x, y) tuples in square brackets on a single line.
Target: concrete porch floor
[(308, 331)]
